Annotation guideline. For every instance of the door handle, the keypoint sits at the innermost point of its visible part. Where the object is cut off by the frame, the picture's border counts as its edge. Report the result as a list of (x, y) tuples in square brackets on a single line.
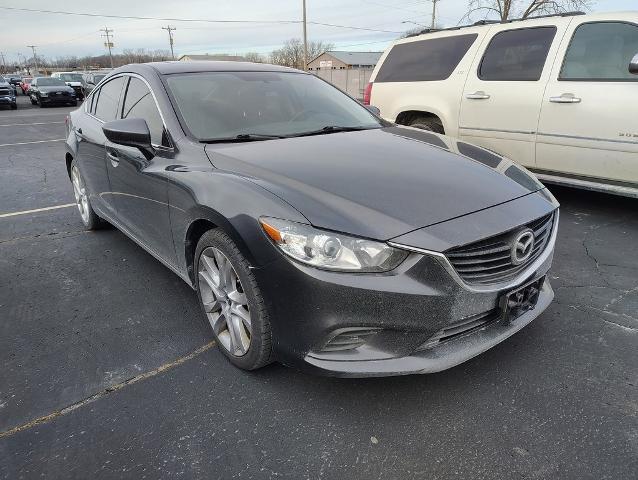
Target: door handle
[(115, 161), (565, 98), (78, 133), (480, 95)]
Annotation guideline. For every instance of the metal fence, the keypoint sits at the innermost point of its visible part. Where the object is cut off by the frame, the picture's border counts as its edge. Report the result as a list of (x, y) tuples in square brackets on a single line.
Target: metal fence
[(352, 81)]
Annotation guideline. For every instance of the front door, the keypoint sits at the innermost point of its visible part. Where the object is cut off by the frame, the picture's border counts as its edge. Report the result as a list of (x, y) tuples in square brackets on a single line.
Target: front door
[(138, 180), (588, 125), (503, 91)]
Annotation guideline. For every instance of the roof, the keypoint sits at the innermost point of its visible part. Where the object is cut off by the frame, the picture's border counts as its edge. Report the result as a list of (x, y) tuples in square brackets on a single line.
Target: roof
[(167, 68), (234, 58), (354, 58)]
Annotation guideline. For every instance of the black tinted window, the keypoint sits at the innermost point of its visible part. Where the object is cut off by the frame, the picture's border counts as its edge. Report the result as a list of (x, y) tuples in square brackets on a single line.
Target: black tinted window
[(433, 59), (601, 51), (139, 103), (107, 99), (517, 55)]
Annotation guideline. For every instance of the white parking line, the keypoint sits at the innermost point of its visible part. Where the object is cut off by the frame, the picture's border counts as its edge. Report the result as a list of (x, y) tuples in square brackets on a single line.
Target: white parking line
[(26, 212), (28, 124), (27, 143)]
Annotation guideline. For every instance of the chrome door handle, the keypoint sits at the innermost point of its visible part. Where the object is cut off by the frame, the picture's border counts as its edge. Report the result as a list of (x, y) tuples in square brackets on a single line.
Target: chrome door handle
[(115, 161), (78, 133), (480, 95), (565, 98)]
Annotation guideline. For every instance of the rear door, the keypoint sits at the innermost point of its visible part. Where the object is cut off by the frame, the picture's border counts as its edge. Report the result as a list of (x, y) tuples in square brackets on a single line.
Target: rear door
[(588, 125), (138, 179), (504, 89), (101, 108)]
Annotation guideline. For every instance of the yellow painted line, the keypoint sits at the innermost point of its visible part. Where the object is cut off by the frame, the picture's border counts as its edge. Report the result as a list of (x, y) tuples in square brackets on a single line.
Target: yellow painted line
[(28, 143), (28, 124), (36, 210)]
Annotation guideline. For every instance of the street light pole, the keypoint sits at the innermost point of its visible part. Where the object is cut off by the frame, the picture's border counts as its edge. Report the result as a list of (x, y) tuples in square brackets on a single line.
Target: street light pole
[(4, 65), (305, 39), (170, 31), (35, 57), (433, 13)]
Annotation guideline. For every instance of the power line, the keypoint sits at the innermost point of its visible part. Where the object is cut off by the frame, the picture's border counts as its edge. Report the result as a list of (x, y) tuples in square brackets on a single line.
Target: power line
[(205, 20), (170, 31), (108, 43)]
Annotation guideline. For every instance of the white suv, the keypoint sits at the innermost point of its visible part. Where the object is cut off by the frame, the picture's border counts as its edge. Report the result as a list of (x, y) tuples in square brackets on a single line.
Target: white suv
[(557, 94)]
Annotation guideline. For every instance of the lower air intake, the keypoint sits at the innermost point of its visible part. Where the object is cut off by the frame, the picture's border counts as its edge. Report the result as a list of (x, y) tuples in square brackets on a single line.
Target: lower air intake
[(349, 339), (463, 327)]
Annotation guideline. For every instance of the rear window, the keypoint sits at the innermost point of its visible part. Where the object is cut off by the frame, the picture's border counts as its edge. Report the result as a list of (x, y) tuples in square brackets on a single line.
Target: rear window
[(425, 60), (517, 55)]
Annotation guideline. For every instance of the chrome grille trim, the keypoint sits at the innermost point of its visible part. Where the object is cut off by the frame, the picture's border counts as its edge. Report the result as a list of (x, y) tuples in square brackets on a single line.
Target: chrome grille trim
[(523, 275), (488, 261)]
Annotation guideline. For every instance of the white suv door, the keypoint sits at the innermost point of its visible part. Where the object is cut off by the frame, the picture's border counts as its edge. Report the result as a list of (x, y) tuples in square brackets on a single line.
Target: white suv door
[(588, 125), (504, 88)]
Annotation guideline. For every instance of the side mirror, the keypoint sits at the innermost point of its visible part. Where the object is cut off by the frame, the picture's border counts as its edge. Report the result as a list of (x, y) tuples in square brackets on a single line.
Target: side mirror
[(131, 132), (374, 110), (633, 65)]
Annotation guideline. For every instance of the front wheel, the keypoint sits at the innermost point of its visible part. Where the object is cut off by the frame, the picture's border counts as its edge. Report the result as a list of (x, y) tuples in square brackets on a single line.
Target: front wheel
[(89, 218), (14, 106), (428, 123), (232, 301)]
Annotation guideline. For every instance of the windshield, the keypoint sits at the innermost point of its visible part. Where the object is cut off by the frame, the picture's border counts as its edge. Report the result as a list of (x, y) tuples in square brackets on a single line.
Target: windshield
[(50, 82), (222, 105), (2, 80), (71, 77)]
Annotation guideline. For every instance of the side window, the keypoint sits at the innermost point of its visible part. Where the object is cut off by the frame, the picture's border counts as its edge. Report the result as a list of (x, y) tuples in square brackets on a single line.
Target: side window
[(139, 103), (517, 55), (109, 95), (601, 51), (424, 60)]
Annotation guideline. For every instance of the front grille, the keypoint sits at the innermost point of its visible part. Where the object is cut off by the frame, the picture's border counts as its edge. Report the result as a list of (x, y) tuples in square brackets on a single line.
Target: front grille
[(5, 91), (489, 261), (462, 327), (349, 339)]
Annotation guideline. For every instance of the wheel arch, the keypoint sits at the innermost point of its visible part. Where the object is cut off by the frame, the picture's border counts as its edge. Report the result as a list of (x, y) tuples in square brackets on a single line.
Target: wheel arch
[(406, 116)]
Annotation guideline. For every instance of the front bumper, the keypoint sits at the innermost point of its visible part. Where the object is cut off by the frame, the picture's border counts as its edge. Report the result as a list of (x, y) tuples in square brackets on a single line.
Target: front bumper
[(7, 100), (406, 308), (58, 100)]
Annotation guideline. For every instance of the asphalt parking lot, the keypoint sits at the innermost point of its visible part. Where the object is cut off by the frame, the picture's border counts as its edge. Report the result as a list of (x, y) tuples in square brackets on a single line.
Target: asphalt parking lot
[(109, 372)]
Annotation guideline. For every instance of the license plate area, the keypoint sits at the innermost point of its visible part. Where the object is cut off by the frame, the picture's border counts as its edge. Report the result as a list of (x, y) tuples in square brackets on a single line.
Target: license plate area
[(516, 302)]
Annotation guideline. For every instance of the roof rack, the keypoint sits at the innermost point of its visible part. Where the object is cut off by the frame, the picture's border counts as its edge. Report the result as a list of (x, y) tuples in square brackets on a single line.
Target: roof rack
[(492, 22)]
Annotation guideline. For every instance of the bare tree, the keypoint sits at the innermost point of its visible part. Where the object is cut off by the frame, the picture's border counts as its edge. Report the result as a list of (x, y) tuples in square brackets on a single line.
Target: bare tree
[(292, 55), (509, 9), (254, 57)]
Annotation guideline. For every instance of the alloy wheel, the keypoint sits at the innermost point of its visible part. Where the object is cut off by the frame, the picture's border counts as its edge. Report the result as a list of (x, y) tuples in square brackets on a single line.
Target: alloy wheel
[(81, 197), (224, 301)]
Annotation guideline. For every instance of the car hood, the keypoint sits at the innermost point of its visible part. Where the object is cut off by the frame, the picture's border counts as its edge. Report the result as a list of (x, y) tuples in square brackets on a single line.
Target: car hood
[(377, 183), (55, 88)]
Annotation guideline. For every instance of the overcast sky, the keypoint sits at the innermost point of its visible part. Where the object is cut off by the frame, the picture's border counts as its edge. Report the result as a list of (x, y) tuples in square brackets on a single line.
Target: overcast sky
[(59, 35)]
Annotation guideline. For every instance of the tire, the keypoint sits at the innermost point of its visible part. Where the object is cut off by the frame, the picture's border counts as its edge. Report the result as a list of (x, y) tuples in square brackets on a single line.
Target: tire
[(89, 218), (427, 123), (33, 102), (14, 106), (258, 352)]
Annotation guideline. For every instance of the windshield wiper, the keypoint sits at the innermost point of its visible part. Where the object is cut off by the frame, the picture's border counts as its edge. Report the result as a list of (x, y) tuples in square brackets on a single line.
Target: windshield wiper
[(329, 129), (243, 137)]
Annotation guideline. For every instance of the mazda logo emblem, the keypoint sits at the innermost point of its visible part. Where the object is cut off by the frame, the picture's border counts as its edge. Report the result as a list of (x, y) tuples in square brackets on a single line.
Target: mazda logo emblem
[(522, 247)]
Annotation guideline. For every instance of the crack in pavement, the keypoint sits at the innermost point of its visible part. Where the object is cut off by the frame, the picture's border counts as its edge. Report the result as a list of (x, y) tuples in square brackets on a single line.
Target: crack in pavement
[(57, 235), (108, 390)]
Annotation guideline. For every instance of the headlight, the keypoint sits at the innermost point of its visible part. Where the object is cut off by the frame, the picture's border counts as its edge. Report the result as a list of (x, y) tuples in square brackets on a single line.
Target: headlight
[(44, 94), (329, 250)]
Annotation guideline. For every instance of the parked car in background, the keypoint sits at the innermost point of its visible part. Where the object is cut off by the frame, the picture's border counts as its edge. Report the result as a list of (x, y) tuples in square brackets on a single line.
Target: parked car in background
[(51, 91), (73, 80), (91, 80), (13, 80), (555, 94), (405, 252), (7, 94), (25, 83)]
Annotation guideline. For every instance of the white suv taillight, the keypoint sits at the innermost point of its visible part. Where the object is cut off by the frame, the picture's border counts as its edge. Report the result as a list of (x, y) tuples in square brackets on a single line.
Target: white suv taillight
[(367, 93)]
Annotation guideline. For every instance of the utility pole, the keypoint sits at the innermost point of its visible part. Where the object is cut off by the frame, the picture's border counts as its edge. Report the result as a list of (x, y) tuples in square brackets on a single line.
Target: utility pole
[(433, 13), (170, 31), (305, 39), (4, 65), (107, 34), (35, 57)]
